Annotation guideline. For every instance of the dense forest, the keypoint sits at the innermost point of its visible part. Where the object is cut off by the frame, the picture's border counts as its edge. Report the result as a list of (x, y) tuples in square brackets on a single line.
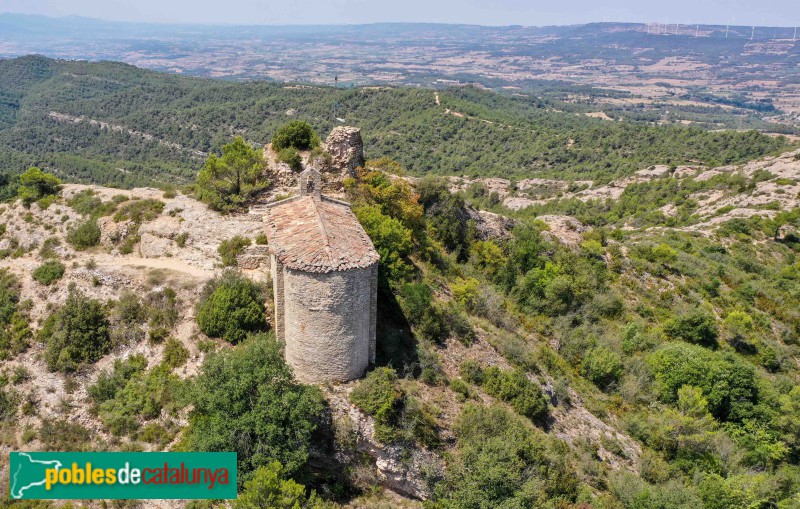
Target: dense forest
[(115, 124)]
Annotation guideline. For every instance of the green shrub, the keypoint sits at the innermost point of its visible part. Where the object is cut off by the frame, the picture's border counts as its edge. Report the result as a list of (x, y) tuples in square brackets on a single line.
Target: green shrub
[(729, 385), (246, 400), (270, 487), (109, 383), (64, 435), (175, 354), (602, 367), (129, 308), (377, 394), (85, 235), (471, 371), (696, 327), (87, 203), (501, 461), (181, 238), (515, 388), (139, 211), (76, 334), (34, 185), (398, 416), (157, 335), (161, 308), (48, 247), (392, 240), (231, 307), (297, 134), (231, 248), (291, 156), (144, 395), (261, 239), (9, 296), (49, 272)]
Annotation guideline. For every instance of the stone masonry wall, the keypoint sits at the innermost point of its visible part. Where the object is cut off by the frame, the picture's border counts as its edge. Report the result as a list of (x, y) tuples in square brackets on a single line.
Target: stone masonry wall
[(328, 323)]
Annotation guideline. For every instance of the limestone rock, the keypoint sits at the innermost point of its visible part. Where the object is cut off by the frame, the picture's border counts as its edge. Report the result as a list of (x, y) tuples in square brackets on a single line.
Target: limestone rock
[(112, 232), (346, 148), (566, 229), (491, 226), (406, 470), (153, 247), (166, 227)]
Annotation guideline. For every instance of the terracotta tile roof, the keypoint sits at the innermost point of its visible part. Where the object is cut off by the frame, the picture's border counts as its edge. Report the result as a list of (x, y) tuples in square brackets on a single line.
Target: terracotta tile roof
[(318, 234)]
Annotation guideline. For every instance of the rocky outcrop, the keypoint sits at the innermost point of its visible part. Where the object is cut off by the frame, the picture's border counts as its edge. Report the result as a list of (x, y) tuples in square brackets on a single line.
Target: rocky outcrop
[(491, 226), (112, 232), (565, 229), (405, 470), (346, 148)]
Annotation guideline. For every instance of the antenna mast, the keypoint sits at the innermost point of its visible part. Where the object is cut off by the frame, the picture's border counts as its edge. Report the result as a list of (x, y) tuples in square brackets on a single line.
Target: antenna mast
[(696, 30), (753, 33), (726, 30), (335, 85)]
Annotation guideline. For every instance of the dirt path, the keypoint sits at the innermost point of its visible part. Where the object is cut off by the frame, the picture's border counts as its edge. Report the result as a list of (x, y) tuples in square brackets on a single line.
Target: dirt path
[(173, 264)]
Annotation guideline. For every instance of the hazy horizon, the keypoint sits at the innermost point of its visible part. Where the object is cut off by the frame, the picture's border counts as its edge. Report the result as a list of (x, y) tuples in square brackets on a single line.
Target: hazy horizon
[(773, 13)]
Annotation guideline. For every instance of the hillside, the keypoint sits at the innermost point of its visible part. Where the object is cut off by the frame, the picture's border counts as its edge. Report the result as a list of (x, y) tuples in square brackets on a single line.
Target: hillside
[(629, 344), (114, 124)]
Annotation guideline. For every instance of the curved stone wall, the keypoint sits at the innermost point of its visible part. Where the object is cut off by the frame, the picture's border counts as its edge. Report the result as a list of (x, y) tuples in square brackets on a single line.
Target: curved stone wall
[(328, 325)]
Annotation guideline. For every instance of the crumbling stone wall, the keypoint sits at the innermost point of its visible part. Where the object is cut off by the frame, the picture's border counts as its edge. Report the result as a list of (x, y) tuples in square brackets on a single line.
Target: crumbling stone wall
[(346, 148), (327, 321)]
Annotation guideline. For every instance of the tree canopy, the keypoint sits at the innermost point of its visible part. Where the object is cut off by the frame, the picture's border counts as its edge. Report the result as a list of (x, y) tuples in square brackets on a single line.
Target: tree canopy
[(228, 180)]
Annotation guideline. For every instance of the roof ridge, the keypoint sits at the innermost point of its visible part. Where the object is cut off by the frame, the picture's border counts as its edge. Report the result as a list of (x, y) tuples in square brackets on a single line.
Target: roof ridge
[(326, 241)]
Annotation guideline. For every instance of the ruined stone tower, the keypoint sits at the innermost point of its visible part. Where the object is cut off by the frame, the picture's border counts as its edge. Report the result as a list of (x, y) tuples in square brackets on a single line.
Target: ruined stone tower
[(325, 280)]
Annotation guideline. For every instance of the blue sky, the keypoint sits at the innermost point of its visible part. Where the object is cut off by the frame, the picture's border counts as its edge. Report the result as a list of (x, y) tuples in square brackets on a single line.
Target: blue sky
[(492, 12)]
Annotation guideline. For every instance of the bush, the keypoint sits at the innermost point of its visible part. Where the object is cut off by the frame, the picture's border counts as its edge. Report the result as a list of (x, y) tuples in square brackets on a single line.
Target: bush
[(85, 235), (108, 383), (9, 296), (603, 367), (515, 388), (175, 354), (229, 249), (393, 242), (697, 327), (500, 461), (34, 185), (181, 238), (297, 134), (269, 487), (140, 211), (231, 307), (729, 385), (64, 435), (87, 203), (77, 334), (471, 371), (291, 156), (246, 400), (397, 415), (49, 272), (129, 308), (144, 395)]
